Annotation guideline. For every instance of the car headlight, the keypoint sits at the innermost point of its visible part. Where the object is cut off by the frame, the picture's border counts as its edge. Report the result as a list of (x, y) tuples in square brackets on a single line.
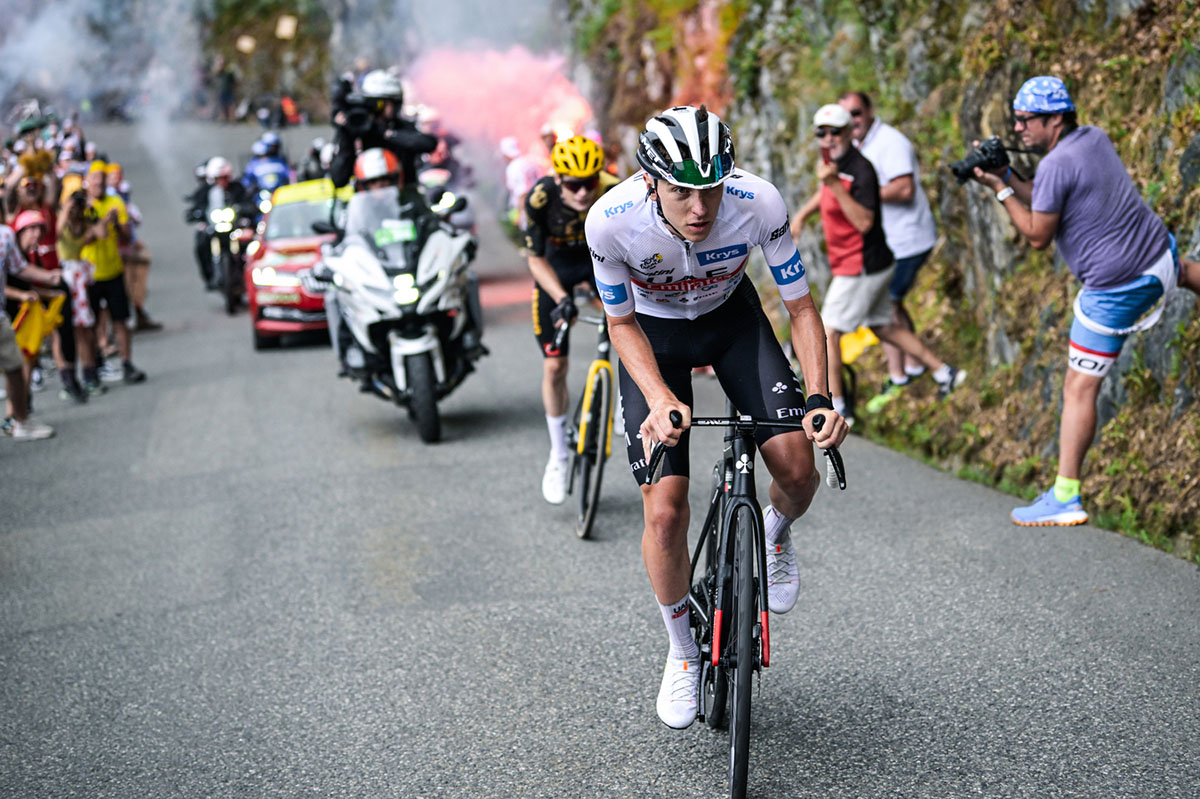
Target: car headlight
[(267, 276)]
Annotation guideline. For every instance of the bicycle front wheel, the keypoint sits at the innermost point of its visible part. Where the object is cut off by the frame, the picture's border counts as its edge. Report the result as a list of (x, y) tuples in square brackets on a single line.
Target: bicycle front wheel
[(742, 637), (595, 451)]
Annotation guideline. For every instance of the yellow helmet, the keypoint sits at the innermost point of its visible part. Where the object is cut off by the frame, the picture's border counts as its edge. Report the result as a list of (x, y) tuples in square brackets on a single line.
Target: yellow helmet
[(577, 157)]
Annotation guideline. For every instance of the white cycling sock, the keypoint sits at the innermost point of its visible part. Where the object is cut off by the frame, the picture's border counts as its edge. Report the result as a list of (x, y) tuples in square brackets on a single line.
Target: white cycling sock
[(557, 425), (775, 524), (677, 617)]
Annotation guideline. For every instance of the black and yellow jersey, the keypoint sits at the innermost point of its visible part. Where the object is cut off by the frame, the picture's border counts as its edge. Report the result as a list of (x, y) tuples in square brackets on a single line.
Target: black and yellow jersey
[(554, 230)]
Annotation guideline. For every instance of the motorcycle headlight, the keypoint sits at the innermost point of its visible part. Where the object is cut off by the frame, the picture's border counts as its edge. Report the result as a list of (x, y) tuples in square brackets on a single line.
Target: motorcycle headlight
[(406, 289), (264, 206)]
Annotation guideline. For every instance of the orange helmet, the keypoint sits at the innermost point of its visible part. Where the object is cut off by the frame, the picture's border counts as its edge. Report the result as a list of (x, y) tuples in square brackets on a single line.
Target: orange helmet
[(376, 163)]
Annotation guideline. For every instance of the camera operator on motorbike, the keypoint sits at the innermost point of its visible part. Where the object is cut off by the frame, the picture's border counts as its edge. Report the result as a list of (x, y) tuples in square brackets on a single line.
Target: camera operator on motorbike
[(218, 172), (556, 208), (370, 119), (669, 249)]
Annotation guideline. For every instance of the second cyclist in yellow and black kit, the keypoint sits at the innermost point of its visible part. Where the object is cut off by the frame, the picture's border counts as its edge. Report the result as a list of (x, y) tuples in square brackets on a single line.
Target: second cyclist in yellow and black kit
[(556, 208)]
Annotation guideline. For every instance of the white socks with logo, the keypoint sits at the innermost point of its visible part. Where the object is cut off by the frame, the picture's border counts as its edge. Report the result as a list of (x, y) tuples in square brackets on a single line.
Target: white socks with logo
[(775, 524), (676, 617), (557, 425)]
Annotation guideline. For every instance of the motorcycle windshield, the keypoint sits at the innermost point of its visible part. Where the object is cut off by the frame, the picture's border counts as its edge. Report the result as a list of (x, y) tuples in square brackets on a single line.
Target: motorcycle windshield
[(376, 216)]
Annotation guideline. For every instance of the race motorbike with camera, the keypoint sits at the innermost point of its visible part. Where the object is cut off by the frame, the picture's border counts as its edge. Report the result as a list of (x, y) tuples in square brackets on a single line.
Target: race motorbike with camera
[(403, 310), (224, 227)]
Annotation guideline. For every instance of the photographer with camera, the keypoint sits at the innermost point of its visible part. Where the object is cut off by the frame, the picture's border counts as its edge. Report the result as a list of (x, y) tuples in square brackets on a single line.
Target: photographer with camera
[(371, 118), (1083, 199)]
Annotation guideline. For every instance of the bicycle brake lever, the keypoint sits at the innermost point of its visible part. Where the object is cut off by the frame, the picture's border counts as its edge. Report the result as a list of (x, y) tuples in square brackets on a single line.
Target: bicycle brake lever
[(658, 454), (835, 469)]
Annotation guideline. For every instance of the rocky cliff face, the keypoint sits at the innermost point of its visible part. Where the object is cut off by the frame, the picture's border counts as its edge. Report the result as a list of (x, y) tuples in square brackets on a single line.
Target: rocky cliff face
[(945, 72)]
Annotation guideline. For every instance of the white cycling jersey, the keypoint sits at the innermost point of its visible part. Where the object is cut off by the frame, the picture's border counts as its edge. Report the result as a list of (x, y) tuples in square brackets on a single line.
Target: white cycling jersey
[(640, 264)]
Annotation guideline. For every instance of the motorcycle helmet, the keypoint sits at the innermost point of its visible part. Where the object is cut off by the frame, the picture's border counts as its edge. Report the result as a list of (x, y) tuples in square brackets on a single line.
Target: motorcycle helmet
[(378, 84), (577, 157), (377, 164), (327, 152), (687, 146), (270, 140), (258, 149), (218, 167)]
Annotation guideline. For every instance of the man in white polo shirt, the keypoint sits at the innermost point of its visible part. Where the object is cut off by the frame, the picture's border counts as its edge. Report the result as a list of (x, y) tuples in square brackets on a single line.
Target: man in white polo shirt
[(907, 225)]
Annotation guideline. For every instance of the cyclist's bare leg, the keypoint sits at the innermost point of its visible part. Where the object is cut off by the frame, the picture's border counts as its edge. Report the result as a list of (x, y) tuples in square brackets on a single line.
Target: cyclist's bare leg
[(554, 386), (789, 459), (664, 538)]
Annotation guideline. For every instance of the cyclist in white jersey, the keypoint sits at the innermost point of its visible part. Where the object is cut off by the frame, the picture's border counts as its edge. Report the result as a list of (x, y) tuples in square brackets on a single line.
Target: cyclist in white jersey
[(669, 249)]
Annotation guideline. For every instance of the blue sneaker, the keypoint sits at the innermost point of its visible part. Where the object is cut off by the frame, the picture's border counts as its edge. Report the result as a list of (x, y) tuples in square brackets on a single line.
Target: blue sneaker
[(1046, 510)]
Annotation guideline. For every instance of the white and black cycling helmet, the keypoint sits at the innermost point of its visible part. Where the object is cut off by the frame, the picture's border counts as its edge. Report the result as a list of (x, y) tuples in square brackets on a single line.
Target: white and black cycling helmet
[(379, 84), (687, 146)]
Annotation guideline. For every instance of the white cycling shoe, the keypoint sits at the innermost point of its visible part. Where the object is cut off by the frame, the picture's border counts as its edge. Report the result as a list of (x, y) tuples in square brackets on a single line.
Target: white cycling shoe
[(783, 574), (554, 480), (678, 696)]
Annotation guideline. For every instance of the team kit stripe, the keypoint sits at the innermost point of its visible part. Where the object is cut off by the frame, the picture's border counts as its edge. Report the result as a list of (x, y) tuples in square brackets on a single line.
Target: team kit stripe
[(691, 283)]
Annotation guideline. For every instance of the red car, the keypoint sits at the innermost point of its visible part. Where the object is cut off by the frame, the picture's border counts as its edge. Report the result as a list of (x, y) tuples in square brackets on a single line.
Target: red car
[(282, 294)]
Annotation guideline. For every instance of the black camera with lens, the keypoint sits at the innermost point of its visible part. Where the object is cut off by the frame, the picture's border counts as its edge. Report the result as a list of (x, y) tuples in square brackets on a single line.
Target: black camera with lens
[(79, 198), (359, 111), (990, 154)]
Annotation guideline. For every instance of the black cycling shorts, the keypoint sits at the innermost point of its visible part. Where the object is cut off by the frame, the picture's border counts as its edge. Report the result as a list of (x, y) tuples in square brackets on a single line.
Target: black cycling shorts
[(110, 294), (736, 339), (543, 325)]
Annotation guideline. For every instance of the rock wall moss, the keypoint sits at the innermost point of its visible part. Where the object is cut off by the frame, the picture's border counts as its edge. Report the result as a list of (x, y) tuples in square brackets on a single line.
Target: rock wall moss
[(945, 72)]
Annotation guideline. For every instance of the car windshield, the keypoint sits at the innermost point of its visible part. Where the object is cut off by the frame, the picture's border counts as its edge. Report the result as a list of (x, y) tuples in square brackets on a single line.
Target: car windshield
[(294, 220), (376, 216)]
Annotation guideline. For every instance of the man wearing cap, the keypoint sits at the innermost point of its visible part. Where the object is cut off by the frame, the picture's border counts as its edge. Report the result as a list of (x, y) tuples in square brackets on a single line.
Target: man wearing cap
[(862, 264), (108, 289), (1083, 199)]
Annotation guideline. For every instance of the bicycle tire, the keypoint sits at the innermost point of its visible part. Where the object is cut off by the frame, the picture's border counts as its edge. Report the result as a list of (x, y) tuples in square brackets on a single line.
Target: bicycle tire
[(715, 687), (745, 613), (595, 449)]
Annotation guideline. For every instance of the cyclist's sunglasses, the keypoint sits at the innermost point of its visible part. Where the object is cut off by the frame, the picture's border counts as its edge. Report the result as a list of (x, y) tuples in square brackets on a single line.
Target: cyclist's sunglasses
[(581, 184), (689, 171)]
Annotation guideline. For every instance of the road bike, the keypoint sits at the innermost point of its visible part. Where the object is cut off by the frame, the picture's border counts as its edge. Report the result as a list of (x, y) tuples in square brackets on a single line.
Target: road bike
[(728, 598), (589, 432)]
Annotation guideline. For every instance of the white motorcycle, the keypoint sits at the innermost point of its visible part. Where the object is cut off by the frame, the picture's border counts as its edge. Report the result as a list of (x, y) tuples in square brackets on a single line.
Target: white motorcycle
[(404, 315)]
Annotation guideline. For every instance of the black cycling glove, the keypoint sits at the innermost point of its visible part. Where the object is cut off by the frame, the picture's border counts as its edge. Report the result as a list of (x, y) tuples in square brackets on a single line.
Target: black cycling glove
[(565, 311)]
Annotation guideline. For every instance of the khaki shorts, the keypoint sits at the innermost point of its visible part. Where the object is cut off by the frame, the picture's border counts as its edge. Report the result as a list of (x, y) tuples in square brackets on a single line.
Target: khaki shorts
[(852, 302), (10, 354)]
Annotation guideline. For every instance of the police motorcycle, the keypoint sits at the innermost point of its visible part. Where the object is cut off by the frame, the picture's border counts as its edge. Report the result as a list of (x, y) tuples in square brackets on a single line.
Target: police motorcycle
[(225, 227), (404, 309)]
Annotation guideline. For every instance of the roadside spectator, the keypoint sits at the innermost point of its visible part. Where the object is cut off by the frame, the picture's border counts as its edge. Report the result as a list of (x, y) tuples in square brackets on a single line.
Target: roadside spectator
[(107, 292), (29, 227), (862, 264), (1083, 199), (135, 258), (19, 423), (226, 86), (520, 173), (907, 225), (74, 233)]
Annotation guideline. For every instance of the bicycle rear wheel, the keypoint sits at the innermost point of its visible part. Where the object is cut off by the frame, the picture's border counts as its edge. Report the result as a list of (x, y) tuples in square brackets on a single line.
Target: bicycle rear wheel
[(595, 449), (742, 637)]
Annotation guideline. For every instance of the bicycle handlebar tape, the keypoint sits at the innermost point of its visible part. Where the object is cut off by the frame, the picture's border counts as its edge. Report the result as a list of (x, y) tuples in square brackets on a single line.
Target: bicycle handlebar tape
[(676, 418)]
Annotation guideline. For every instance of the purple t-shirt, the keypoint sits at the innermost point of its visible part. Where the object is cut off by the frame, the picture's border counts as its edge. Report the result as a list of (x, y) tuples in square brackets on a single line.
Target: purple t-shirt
[(1106, 233)]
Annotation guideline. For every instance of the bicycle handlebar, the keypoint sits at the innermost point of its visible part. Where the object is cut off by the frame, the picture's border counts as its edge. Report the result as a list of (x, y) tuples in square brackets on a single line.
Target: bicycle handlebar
[(835, 474)]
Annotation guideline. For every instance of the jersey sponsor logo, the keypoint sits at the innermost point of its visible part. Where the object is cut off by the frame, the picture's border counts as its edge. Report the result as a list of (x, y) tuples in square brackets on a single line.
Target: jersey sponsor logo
[(689, 284), (617, 209), (612, 295), (597, 257), (538, 197), (723, 254), (786, 413), (736, 192), (789, 272), (779, 231), (651, 261)]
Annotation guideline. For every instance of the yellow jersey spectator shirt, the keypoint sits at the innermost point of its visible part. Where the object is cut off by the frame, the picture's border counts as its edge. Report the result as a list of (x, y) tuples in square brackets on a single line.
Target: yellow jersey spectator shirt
[(104, 253)]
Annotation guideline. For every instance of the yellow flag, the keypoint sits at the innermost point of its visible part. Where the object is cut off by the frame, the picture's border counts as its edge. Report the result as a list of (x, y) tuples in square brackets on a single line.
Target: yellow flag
[(854, 343), (34, 322)]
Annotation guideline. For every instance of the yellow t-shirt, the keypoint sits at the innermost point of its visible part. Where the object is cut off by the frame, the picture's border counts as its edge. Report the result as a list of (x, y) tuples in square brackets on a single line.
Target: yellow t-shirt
[(105, 253)]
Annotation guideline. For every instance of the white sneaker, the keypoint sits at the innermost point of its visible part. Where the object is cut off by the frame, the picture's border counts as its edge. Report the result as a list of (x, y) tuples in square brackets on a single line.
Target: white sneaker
[(30, 430), (678, 695), (783, 574), (111, 372), (554, 480)]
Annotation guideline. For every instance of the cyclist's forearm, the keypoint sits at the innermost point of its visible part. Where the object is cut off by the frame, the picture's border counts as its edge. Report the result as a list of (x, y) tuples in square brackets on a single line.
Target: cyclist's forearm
[(808, 342), (545, 276), (637, 356)]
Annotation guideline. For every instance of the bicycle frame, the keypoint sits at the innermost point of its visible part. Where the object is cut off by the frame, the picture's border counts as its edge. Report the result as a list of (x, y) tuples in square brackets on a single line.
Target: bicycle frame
[(600, 362)]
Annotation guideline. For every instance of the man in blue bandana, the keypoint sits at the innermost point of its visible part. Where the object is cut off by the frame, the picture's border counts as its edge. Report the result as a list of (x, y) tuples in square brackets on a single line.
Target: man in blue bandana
[(1083, 200)]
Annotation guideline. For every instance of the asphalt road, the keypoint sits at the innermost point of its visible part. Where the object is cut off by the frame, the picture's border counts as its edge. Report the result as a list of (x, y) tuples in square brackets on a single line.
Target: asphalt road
[(245, 579)]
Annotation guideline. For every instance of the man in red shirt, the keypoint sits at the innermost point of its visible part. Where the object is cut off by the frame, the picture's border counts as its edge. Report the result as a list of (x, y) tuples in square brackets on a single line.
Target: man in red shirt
[(859, 258)]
